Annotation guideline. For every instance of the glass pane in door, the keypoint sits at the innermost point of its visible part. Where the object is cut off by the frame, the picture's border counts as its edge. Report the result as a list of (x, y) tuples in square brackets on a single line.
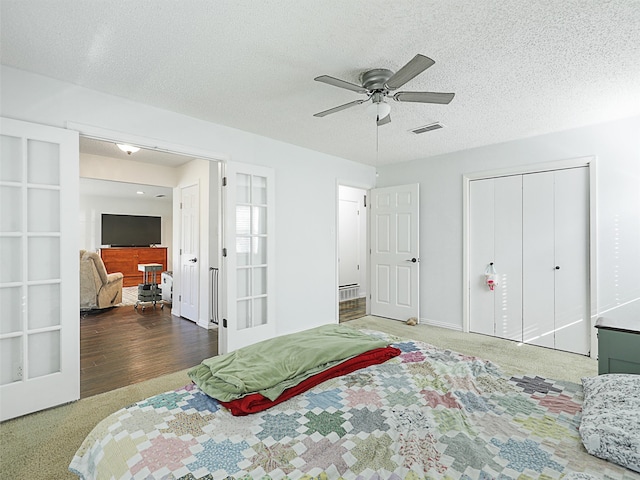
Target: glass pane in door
[(259, 251), (243, 188), (10, 259), (44, 258), (43, 210), (43, 162), (44, 353), (251, 241), (260, 311), (244, 314), (10, 360), (43, 306), (10, 159), (259, 190), (10, 209), (11, 306)]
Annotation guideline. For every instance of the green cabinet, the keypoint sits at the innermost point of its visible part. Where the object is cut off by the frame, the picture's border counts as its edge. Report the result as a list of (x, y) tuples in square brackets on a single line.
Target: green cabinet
[(618, 346)]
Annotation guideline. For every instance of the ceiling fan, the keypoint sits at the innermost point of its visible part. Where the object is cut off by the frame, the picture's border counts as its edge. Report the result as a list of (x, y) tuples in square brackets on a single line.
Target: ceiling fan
[(379, 83)]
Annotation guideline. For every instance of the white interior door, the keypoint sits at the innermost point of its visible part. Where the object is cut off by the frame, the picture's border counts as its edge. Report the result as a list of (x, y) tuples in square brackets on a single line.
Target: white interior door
[(189, 252), (395, 252), (39, 265), (349, 243), (248, 267)]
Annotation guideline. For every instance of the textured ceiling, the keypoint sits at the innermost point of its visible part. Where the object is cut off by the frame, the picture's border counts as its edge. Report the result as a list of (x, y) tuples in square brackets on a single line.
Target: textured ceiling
[(518, 68), (144, 155)]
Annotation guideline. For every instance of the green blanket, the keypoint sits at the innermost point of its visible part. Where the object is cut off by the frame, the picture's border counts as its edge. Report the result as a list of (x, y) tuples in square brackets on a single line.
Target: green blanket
[(271, 366)]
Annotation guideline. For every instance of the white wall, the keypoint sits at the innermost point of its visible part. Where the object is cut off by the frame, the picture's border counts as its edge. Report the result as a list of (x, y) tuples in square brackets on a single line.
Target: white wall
[(127, 171), (93, 206), (617, 148), (306, 181)]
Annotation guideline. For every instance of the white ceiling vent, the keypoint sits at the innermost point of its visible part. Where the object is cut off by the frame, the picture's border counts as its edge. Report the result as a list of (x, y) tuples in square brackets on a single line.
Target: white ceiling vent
[(427, 128)]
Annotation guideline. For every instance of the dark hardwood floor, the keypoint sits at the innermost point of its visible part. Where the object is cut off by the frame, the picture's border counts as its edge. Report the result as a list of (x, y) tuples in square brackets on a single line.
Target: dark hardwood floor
[(121, 346), (352, 309)]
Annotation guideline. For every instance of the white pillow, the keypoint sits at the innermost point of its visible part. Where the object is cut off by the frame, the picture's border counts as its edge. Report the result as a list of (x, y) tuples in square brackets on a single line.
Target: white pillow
[(610, 426)]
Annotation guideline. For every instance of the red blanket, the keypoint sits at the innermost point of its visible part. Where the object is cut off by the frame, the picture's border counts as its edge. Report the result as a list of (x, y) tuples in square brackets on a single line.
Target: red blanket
[(256, 402)]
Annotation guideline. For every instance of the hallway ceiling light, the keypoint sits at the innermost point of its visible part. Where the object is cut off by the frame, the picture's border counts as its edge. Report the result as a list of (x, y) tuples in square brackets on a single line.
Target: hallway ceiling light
[(128, 149)]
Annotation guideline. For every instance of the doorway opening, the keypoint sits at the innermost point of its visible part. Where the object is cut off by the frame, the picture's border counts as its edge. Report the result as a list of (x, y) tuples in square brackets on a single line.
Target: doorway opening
[(160, 176), (353, 281)]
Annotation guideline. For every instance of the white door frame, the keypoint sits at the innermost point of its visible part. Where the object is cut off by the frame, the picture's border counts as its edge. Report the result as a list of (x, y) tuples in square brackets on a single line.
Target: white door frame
[(107, 135), (589, 162)]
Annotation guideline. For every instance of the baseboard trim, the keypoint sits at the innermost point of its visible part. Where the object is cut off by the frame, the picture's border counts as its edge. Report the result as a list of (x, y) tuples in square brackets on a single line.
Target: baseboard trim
[(436, 323)]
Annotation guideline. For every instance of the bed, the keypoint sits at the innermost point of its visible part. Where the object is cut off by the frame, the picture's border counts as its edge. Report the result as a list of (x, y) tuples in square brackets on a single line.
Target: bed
[(426, 413)]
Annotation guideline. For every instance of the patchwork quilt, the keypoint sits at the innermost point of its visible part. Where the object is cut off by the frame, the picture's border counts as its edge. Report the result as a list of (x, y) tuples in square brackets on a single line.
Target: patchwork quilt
[(425, 414)]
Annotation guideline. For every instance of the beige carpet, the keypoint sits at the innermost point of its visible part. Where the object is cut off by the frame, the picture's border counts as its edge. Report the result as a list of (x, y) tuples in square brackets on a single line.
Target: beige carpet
[(513, 358), (40, 446)]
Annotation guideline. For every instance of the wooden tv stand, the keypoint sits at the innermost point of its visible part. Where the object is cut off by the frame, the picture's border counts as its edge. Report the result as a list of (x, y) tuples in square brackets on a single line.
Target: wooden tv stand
[(126, 260)]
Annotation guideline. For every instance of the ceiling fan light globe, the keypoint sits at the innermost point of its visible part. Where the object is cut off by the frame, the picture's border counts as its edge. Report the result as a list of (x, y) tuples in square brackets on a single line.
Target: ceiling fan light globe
[(384, 109), (379, 110)]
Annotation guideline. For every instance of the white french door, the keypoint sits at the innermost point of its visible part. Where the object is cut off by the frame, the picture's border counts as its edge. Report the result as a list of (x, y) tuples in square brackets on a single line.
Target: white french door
[(248, 311), (395, 252), (189, 252), (39, 268)]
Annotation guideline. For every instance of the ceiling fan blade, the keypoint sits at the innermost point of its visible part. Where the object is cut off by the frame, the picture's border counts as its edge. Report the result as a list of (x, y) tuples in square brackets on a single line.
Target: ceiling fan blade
[(384, 120), (336, 82), (416, 66), (424, 97), (341, 107)]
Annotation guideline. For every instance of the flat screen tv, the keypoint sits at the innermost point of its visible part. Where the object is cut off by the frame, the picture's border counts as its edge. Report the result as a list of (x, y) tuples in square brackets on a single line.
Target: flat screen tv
[(131, 230)]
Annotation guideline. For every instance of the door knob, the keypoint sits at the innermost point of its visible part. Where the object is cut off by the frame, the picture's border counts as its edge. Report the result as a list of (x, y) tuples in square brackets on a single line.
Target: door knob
[(412, 260), (193, 260), (557, 267)]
